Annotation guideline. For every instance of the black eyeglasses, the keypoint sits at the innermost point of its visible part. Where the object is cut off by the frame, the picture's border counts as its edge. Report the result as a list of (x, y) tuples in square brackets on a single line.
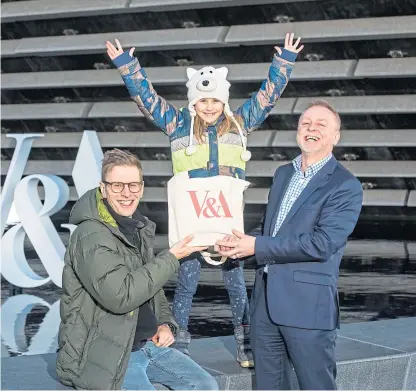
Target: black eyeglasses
[(118, 187)]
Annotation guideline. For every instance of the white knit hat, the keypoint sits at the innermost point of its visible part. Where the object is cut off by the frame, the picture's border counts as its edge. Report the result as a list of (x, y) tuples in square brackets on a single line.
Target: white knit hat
[(210, 82)]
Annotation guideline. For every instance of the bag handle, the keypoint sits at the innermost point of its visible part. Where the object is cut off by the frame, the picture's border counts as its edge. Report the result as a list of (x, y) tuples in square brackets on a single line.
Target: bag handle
[(207, 256), (209, 252)]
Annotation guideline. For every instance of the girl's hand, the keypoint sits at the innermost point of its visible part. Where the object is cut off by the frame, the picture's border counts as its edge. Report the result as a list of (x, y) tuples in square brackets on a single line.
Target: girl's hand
[(113, 51), (289, 45)]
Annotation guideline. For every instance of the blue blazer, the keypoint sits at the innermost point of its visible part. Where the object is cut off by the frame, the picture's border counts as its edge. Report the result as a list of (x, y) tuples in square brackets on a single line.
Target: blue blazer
[(305, 255)]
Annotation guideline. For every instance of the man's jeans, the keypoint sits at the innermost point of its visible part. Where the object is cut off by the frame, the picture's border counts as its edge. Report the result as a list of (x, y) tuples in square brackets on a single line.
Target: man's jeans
[(170, 367)]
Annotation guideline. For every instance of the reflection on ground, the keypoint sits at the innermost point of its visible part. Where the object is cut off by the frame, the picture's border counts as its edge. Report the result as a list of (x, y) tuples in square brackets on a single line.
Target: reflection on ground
[(377, 281)]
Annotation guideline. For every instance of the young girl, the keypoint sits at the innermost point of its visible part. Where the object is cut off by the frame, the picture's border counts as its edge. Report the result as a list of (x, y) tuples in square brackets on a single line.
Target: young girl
[(207, 139)]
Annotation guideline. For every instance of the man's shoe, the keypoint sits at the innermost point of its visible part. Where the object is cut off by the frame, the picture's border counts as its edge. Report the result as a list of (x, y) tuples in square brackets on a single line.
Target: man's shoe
[(182, 341), (242, 339)]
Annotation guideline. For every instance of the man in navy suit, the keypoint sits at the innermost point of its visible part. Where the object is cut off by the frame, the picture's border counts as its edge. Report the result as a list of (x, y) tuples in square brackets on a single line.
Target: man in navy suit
[(313, 207)]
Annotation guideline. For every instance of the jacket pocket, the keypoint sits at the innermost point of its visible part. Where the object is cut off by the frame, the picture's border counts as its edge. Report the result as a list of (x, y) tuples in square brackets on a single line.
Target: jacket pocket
[(312, 278), (91, 336), (120, 360)]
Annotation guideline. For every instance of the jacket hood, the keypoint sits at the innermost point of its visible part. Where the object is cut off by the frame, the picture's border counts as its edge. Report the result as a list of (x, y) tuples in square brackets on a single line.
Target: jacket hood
[(91, 207)]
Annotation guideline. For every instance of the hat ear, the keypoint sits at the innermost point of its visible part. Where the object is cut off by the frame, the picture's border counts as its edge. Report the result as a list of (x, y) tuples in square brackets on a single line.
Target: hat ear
[(223, 71), (190, 72)]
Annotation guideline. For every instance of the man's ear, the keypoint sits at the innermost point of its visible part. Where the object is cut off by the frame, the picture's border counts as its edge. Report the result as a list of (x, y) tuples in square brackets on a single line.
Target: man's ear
[(102, 189), (337, 137), (142, 190)]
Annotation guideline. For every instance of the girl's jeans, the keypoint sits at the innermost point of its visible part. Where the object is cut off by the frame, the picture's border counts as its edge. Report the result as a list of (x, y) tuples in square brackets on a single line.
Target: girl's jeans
[(188, 277)]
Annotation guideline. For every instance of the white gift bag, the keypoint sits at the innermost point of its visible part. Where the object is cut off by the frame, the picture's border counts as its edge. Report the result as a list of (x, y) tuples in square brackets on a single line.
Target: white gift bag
[(208, 208)]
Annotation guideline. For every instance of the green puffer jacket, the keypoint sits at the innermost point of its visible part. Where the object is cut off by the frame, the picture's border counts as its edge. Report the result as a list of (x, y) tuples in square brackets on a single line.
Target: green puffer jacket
[(104, 283)]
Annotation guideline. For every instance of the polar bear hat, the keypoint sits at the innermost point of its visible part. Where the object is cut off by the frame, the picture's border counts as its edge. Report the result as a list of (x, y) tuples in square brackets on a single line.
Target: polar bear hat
[(210, 82)]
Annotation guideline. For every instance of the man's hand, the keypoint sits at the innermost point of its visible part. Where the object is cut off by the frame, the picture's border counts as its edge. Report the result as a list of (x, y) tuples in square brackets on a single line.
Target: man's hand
[(242, 247), (289, 45), (182, 250), (164, 337), (226, 238), (113, 51)]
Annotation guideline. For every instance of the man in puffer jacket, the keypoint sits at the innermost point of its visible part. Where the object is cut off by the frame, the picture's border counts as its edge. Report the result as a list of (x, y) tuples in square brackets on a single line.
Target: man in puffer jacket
[(113, 302)]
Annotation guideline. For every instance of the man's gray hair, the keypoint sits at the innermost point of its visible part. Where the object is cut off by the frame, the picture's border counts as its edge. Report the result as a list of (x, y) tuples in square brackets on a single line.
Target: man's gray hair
[(117, 157), (324, 103)]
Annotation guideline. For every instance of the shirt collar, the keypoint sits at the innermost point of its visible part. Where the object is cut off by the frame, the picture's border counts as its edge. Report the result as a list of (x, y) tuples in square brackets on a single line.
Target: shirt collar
[(312, 169)]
